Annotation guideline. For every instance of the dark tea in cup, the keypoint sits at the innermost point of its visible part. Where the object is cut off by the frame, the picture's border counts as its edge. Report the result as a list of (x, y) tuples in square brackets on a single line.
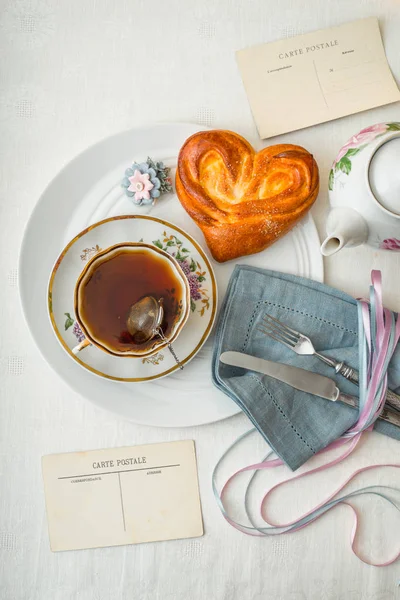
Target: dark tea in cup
[(117, 278)]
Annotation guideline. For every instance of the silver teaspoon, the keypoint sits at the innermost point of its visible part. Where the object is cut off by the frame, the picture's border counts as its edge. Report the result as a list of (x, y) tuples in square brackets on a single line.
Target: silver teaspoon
[(144, 322)]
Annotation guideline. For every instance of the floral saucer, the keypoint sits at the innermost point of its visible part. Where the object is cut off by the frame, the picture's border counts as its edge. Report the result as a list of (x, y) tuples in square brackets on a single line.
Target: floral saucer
[(133, 228)]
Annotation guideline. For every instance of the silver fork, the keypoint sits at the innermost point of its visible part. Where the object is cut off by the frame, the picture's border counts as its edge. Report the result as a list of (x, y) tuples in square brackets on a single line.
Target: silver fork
[(301, 344)]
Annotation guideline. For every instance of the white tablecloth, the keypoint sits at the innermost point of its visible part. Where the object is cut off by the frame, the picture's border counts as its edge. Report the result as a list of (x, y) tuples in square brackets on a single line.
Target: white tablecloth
[(74, 71)]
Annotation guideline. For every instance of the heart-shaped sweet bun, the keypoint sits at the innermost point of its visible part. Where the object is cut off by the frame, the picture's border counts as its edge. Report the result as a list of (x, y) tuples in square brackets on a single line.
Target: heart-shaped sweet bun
[(243, 200)]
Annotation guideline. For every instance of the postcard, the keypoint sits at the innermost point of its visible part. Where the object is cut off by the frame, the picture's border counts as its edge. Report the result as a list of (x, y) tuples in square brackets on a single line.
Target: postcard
[(317, 77), (122, 496)]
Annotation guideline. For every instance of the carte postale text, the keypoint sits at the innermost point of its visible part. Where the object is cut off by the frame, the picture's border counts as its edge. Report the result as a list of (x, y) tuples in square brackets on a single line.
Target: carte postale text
[(120, 462)]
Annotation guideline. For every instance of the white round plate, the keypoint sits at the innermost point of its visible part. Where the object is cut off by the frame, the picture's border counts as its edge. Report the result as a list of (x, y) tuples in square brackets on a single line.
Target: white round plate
[(132, 228), (88, 190)]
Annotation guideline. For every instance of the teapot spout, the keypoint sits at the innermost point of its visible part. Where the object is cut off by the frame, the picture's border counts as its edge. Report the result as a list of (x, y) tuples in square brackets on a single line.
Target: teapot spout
[(345, 228), (332, 244)]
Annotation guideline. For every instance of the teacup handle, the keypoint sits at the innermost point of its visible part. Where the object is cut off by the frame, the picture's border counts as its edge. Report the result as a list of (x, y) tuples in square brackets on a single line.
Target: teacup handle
[(84, 344)]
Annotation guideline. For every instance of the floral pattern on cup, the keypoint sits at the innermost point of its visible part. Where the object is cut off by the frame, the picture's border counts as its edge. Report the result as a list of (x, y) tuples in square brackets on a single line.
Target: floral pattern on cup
[(78, 333), (342, 162), (88, 253), (76, 330), (154, 359), (191, 268), (69, 321), (390, 244)]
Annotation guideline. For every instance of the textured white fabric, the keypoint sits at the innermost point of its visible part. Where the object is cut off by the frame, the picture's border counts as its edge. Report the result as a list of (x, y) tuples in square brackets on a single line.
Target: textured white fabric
[(74, 71)]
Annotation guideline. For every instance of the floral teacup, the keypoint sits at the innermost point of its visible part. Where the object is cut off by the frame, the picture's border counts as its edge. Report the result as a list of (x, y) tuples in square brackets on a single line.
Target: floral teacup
[(115, 279)]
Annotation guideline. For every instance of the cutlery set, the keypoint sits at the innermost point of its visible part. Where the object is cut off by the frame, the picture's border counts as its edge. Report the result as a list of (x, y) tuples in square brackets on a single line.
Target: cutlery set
[(301, 379)]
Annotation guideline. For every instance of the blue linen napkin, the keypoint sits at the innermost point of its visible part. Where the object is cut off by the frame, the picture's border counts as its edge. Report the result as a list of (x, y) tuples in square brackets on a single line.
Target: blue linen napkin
[(295, 424)]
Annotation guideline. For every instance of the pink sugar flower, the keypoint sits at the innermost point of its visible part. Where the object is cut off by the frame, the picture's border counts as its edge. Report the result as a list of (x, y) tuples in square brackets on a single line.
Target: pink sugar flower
[(140, 184)]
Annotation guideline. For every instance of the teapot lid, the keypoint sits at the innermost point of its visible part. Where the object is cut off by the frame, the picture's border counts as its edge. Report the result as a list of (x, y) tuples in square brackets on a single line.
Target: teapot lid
[(384, 175)]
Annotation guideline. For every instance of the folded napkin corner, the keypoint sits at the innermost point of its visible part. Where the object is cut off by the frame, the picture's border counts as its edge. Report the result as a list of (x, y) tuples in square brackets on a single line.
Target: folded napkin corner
[(296, 425)]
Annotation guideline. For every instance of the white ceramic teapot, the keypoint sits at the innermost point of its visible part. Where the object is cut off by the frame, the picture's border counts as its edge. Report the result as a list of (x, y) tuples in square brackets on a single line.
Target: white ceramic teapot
[(364, 191)]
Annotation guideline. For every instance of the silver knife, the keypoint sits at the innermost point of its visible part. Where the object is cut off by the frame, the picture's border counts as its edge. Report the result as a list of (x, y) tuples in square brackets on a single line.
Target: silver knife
[(300, 379)]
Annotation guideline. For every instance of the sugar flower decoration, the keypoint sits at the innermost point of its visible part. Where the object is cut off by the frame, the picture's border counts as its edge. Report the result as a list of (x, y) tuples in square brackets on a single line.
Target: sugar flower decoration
[(140, 185), (145, 182)]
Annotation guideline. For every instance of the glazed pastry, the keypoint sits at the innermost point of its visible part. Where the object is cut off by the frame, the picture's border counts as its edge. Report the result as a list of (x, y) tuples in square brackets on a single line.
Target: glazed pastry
[(243, 200)]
